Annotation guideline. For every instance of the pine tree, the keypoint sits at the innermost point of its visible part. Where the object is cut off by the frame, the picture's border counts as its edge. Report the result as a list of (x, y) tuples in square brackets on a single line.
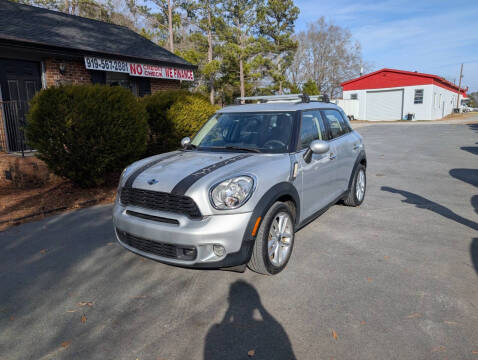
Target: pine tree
[(310, 88), (208, 12), (240, 36), (277, 19)]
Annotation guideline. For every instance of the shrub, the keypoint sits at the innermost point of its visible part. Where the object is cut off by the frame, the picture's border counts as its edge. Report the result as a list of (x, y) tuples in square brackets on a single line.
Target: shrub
[(188, 114), (173, 115), (85, 132)]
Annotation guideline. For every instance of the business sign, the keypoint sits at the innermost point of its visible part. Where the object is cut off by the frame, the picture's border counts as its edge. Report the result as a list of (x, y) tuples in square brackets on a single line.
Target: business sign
[(137, 69)]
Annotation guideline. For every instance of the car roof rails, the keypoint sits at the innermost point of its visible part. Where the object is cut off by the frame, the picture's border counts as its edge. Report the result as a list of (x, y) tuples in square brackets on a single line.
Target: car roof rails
[(293, 98)]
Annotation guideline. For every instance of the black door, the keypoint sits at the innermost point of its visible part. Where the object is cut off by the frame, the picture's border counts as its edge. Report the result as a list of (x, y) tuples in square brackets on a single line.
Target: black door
[(19, 81)]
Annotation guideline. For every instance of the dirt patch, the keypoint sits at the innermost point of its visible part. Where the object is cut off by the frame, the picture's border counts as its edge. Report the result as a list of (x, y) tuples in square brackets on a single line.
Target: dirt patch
[(460, 116), (19, 205)]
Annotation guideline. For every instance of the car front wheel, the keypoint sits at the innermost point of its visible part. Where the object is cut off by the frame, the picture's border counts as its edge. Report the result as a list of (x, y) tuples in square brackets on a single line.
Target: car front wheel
[(274, 241)]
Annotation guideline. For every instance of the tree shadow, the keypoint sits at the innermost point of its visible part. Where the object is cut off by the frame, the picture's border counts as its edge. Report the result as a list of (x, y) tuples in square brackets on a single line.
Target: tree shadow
[(471, 149), (49, 266), (473, 127), (242, 334), (423, 203), (474, 253), (469, 176)]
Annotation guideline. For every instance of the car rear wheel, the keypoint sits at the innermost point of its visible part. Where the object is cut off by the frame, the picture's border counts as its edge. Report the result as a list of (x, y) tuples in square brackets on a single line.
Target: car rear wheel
[(358, 187), (274, 241)]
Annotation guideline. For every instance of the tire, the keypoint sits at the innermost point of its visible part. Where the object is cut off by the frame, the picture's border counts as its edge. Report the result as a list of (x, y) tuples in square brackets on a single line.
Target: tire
[(260, 261), (352, 198)]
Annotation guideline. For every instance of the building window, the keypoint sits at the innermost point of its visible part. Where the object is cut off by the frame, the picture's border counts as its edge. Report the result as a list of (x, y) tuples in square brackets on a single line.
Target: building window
[(353, 96), (121, 79), (418, 96)]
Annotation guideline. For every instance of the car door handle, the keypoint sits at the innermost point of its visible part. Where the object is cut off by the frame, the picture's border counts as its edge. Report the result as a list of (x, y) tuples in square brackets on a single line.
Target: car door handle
[(356, 146), (332, 156)]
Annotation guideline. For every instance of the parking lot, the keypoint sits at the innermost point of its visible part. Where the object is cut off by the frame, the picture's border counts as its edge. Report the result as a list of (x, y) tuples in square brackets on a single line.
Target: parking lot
[(396, 278)]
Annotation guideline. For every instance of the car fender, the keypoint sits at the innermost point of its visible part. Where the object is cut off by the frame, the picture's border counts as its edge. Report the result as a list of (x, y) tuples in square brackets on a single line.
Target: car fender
[(361, 156), (270, 197)]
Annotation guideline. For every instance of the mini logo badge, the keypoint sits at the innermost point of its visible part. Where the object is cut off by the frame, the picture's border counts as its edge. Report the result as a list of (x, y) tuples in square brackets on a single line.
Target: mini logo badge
[(152, 181)]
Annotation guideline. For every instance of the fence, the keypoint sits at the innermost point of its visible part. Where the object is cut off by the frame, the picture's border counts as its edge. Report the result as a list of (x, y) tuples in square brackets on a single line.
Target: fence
[(13, 116)]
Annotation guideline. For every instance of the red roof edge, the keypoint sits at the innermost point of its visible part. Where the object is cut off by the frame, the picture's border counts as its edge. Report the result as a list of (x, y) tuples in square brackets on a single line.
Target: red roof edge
[(435, 77)]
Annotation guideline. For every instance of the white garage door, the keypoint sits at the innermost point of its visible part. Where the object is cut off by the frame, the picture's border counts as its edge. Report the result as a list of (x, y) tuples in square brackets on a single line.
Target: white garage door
[(384, 105)]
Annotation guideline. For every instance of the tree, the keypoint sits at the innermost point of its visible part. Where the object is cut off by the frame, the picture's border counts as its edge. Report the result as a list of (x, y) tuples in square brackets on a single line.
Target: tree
[(310, 88), (238, 30), (277, 19), (293, 88), (473, 99), (328, 54), (208, 12), (164, 19)]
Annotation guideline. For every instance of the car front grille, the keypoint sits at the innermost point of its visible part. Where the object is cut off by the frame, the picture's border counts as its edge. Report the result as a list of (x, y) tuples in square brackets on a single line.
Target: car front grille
[(156, 200), (157, 248)]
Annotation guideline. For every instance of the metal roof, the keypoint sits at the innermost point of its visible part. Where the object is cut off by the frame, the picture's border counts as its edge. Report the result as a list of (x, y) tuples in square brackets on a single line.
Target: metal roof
[(436, 78), (36, 26), (277, 106)]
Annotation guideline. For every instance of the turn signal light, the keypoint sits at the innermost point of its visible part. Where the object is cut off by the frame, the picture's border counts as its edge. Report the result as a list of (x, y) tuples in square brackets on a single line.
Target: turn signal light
[(256, 226)]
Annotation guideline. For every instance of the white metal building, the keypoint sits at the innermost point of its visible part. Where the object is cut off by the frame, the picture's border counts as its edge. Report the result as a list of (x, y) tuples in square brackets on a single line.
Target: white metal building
[(389, 94)]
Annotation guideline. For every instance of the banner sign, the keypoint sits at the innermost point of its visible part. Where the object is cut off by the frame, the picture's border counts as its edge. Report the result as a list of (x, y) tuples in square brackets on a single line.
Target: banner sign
[(136, 69)]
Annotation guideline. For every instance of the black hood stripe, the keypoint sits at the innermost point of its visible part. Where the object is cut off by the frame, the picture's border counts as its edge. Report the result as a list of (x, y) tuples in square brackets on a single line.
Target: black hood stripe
[(182, 186), (135, 174)]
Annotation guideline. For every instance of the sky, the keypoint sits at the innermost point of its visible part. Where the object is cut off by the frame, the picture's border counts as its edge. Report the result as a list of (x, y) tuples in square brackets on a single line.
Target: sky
[(430, 36)]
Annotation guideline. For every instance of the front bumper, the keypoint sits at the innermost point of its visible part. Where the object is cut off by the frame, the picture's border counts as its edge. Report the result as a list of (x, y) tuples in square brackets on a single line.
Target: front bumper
[(201, 235)]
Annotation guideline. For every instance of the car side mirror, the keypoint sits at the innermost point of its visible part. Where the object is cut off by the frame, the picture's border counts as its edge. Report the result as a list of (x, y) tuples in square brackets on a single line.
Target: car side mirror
[(185, 142), (316, 147)]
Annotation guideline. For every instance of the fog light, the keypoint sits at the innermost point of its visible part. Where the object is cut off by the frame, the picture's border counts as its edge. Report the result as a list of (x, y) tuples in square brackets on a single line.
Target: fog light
[(219, 250), (188, 252)]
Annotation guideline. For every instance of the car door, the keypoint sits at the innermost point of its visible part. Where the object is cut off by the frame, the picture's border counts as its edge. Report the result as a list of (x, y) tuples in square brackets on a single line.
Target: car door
[(318, 175), (344, 144)]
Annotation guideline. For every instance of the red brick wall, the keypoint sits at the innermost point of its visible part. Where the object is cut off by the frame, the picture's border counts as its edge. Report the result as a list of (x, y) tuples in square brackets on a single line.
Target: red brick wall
[(75, 72), (164, 84)]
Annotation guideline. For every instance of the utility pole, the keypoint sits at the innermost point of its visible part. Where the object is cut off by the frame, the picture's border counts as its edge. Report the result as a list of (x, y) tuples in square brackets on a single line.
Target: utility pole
[(459, 87)]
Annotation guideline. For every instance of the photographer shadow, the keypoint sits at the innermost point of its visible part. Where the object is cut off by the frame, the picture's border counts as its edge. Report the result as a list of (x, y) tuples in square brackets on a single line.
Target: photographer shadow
[(247, 330)]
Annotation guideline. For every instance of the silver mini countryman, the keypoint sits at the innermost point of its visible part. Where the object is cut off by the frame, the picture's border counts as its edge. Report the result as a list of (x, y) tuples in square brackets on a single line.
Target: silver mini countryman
[(235, 194)]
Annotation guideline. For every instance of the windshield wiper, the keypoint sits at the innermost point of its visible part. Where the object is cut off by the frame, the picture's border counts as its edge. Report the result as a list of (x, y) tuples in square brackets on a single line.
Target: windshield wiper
[(191, 147), (230, 147)]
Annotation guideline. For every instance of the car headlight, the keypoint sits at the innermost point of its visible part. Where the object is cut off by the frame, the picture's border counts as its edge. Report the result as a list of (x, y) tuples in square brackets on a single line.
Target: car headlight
[(232, 193)]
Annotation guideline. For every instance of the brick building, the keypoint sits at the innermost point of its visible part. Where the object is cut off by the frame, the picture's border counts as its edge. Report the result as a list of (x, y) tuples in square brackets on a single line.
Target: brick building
[(40, 48)]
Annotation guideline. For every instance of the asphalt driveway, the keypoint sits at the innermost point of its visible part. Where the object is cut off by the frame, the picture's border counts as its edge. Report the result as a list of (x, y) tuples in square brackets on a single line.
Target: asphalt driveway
[(396, 278)]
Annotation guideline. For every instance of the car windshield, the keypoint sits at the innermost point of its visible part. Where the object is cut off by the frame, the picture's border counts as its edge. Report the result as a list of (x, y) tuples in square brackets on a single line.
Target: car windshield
[(266, 132)]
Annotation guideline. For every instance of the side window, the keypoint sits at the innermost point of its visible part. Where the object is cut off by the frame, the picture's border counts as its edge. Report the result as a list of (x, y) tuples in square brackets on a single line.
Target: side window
[(346, 121), (418, 96), (312, 128), (338, 126)]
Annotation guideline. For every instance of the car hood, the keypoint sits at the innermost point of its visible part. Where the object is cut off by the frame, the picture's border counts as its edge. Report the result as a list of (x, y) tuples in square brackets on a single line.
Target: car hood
[(192, 173), (167, 173)]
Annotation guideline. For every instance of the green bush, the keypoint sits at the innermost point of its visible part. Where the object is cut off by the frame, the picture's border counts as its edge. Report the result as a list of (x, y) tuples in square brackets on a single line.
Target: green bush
[(85, 132), (188, 114), (173, 115)]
